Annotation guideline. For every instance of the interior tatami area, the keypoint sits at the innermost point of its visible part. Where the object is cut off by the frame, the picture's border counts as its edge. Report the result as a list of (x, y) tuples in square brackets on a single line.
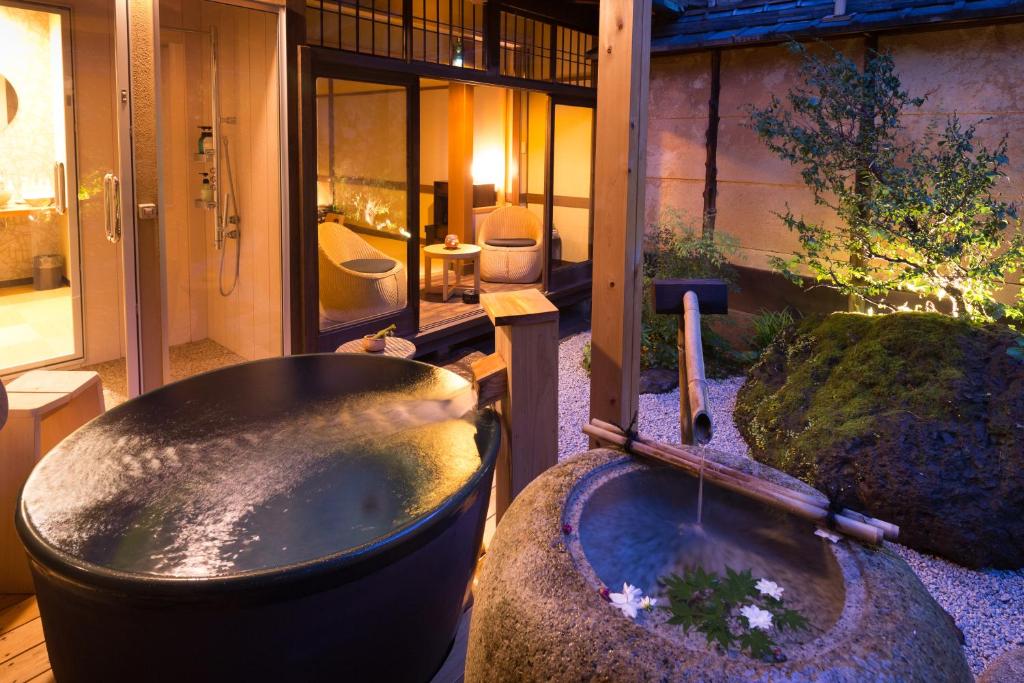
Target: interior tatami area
[(35, 325)]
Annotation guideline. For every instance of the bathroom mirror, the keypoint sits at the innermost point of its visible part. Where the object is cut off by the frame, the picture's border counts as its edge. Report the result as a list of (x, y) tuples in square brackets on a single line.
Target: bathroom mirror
[(8, 103)]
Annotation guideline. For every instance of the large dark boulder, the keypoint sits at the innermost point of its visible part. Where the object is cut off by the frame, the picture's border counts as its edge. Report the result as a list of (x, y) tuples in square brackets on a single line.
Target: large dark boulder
[(914, 418)]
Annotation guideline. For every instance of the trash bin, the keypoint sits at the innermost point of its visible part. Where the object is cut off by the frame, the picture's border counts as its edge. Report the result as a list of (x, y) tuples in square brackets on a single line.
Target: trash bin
[(47, 271)]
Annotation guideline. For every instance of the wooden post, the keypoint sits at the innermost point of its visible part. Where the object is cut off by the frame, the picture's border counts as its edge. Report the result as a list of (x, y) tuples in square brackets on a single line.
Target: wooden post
[(460, 162), (526, 341), (624, 48)]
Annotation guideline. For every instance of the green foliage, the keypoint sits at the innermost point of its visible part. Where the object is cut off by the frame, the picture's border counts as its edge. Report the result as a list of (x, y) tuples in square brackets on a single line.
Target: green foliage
[(709, 603), (916, 214), (675, 250), (844, 374), (768, 325), (386, 332), (1016, 351)]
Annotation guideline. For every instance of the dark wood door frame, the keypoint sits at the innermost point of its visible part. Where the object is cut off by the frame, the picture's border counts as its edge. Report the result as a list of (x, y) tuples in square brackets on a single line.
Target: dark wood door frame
[(317, 63)]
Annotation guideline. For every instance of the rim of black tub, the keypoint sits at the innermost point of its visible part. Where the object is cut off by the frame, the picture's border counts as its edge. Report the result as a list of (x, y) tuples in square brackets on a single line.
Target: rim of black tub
[(312, 573)]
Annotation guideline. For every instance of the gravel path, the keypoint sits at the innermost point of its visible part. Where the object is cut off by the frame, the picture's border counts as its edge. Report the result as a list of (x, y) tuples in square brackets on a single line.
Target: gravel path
[(988, 604)]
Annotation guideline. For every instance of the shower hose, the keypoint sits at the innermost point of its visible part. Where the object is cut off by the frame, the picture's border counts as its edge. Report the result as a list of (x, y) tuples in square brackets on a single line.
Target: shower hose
[(230, 223)]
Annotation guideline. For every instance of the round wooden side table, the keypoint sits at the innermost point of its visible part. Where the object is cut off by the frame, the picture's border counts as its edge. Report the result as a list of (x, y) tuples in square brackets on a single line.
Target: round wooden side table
[(393, 346), (464, 252)]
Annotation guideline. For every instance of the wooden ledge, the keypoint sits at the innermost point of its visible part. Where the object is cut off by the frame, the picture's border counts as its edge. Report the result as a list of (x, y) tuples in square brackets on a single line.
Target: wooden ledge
[(525, 307)]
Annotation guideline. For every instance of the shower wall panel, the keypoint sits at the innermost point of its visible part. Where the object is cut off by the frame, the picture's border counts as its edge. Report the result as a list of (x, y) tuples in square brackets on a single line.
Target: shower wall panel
[(247, 321)]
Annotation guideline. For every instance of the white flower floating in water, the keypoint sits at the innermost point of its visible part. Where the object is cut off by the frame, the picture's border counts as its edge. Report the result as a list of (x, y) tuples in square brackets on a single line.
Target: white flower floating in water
[(769, 588), (757, 617), (628, 601), (648, 603)]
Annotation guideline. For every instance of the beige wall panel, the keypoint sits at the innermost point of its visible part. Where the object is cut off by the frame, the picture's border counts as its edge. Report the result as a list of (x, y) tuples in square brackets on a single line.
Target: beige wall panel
[(680, 86), (967, 70), (676, 148), (745, 212), (742, 157), (685, 197), (753, 75)]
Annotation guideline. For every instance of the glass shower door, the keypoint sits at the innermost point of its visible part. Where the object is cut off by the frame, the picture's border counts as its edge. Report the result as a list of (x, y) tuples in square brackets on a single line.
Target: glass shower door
[(40, 283)]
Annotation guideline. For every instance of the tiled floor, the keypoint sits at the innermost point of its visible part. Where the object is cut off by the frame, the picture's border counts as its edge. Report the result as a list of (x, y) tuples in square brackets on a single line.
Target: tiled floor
[(186, 360), (35, 326)]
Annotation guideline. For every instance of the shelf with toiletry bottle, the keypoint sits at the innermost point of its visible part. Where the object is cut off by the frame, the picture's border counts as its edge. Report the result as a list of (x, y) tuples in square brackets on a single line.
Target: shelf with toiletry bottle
[(206, 154)]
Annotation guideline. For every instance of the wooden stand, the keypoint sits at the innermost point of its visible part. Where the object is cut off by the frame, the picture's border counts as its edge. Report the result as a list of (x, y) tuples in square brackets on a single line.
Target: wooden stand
[(45, 406), (522, 376)]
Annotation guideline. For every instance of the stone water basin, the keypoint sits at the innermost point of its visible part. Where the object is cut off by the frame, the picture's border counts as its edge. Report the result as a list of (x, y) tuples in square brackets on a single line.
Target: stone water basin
[(601, 519)]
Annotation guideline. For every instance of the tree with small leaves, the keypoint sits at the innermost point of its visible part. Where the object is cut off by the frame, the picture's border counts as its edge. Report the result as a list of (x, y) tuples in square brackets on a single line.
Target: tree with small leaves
[(921, 216)]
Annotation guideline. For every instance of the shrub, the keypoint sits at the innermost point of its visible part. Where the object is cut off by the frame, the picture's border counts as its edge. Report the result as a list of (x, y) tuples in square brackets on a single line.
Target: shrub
[(768, 325), (914, 215), (675, 250)]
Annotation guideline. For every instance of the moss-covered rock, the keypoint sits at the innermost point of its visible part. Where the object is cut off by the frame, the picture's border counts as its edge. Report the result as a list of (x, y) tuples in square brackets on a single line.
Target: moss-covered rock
[(915, 418)]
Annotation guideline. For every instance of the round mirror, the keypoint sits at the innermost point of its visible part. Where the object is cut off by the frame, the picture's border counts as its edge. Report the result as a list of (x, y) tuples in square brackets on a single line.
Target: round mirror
[(8, 103)]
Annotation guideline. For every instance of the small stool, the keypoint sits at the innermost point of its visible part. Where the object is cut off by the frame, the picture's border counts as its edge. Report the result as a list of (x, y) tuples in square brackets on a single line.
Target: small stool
[(393, 346), (43, 408)]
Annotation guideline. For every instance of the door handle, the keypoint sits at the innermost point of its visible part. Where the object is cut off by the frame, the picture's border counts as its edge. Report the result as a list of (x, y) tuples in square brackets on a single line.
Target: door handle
[(60, 192), (112, 207)]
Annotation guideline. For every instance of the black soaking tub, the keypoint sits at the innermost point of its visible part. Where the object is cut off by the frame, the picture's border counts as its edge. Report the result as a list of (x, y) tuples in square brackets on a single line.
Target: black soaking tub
[(295, 519)]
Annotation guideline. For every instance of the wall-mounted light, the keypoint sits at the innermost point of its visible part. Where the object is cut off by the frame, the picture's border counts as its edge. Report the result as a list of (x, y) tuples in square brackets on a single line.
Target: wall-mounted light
[(457, 58), (488, 167)]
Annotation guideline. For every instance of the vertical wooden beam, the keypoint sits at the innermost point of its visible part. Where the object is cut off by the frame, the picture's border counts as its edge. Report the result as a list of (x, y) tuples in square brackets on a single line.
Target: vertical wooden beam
[(526, 340), (460, 161), (711, 140), (514, 153), (624, 46)]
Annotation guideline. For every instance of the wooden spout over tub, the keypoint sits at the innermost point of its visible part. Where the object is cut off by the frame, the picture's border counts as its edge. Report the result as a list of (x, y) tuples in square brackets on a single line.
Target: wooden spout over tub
[(689, 299), (521, 379)]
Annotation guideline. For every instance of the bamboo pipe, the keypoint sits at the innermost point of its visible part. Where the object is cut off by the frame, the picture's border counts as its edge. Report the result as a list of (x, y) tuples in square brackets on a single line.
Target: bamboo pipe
[(694, 417), (890, 531), (754, 488)]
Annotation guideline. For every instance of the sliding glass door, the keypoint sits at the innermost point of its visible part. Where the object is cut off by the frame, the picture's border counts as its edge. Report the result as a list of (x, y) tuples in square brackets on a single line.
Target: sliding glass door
[(570, 193), (40, 282), (360, 227)]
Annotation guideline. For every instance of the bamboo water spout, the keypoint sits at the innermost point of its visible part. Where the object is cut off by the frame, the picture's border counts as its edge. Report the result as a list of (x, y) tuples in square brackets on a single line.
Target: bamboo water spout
[(689, 299), (694, 415)]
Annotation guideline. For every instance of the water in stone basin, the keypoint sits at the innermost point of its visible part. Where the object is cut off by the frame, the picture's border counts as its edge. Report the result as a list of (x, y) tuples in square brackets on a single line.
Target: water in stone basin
[(642, 525), (208, 493)]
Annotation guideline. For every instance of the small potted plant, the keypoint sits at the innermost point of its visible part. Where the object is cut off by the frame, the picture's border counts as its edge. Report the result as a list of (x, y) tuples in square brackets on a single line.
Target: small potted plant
[(376, 342)]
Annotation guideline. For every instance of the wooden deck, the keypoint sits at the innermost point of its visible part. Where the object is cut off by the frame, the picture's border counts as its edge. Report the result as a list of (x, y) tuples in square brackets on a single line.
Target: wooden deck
[(434, 313), (23, 648)]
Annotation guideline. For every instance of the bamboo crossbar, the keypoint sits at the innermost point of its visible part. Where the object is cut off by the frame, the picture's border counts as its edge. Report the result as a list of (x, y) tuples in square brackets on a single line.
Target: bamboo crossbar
[(800, 504), (890, 531)]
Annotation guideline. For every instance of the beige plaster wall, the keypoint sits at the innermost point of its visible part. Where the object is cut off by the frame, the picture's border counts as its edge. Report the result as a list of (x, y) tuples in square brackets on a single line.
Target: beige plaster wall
[(975, 72), (678, 108)]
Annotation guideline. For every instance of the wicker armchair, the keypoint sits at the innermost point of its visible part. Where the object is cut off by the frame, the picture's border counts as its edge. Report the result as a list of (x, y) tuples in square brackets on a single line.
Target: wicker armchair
[(510, 240), (356, 280)]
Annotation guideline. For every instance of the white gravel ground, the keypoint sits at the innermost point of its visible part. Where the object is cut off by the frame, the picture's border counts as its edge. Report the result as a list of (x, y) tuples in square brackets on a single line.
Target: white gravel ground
[(988, 604)]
